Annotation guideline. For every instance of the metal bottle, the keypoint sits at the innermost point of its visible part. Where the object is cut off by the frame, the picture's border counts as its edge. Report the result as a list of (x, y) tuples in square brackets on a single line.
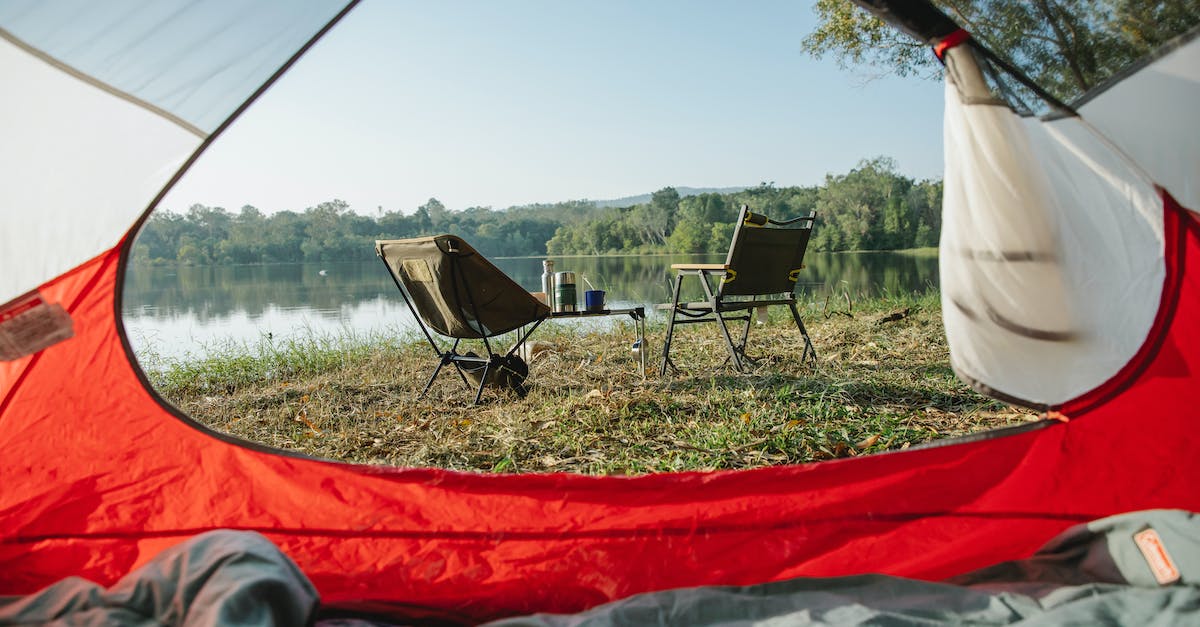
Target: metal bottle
[(548, 282)]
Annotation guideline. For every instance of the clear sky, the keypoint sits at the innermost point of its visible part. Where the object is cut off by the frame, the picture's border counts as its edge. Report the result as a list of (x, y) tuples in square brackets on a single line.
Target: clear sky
[(499, 103)]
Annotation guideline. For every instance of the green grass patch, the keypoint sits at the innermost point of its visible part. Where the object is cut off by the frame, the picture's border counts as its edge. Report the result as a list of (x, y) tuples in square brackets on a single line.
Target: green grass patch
[(881, 383)]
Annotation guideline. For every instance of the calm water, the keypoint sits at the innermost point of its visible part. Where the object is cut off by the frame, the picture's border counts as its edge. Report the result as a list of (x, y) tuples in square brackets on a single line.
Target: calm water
[(177, 312)]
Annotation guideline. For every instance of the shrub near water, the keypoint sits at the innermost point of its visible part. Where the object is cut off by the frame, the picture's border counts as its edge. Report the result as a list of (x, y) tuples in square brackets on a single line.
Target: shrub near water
[(882, 383)]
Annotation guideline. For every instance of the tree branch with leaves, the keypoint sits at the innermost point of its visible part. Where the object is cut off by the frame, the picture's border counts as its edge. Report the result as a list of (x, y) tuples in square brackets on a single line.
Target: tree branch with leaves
[(1066, 46)]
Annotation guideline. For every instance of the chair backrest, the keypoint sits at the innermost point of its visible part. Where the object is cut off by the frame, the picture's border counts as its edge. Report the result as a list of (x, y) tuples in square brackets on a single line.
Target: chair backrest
[(455, 290), (765, 255)]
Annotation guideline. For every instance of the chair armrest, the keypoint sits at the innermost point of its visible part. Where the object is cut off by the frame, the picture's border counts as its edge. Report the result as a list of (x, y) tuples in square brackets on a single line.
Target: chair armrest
[(706, 267)]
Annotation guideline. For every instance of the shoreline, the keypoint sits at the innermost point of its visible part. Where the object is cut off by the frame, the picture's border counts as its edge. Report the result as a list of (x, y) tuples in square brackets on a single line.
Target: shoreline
[(878, 386)]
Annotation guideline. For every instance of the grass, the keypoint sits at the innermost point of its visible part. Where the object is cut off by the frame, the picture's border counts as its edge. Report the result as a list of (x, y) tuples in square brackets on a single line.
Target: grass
[(882, 382)]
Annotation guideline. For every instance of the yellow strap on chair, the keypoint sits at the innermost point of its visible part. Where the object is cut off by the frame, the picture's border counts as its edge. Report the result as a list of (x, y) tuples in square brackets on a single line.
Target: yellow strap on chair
[(794, 275), (730, 275), (754, 219)]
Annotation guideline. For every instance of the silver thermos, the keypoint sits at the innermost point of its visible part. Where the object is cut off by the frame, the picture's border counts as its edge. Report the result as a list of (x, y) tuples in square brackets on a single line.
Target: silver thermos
[(564, 292), (548, 282)]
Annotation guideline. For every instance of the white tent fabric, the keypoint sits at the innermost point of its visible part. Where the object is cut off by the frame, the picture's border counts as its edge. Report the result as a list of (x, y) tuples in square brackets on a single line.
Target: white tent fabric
[(124, 97), (1159, 131), (124, 152), (1051, 245)]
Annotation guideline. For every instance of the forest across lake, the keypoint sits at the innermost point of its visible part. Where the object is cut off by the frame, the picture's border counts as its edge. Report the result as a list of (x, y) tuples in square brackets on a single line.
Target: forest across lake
[(872, 207)]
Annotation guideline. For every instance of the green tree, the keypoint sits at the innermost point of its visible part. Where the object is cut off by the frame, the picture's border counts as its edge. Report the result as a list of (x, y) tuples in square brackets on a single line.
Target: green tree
[(867, 207), (244, 242), (690, 236), (160, 236), (422, 221), (332, 233), (562, 242), (396, 225), (655, 219), (1066, 46), (283, 238), (693, 231), (926, 200), (720, 235), (206, 227), (191, 254), (437, 213)]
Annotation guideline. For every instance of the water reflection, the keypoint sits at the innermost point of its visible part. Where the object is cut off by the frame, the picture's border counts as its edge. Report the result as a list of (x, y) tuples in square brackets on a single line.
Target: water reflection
[(174, 312)]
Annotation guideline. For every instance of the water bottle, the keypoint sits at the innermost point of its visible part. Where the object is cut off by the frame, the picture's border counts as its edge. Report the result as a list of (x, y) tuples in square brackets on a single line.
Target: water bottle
[(548, 282)]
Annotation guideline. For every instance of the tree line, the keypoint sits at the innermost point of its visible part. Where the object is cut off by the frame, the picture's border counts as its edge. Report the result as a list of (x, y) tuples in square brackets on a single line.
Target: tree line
[(330, 232), (870, 208)]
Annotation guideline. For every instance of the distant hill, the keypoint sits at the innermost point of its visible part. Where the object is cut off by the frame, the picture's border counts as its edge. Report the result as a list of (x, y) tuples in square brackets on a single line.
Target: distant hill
[(629, 201)]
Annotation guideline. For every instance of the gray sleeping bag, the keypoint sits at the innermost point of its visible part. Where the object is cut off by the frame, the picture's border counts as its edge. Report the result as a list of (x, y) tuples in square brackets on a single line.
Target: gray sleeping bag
[(216, 578), (1112, 571), (1141, 568)]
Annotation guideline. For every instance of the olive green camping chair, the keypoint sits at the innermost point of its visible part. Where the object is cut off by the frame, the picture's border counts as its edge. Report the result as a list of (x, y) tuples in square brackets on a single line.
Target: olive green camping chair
[(454, 291), (764, 261)]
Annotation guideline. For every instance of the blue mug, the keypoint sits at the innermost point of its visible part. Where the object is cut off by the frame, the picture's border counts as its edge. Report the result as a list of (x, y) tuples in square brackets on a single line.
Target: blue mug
[(593, 300)]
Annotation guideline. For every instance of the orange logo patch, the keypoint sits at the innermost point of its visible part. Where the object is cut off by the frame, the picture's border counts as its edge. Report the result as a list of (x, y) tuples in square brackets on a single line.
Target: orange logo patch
[(1156, 555)]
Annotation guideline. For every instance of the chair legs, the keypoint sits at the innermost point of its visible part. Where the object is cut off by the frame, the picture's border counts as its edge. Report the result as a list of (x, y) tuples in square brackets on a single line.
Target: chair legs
[(482, 382), (666, 354), (810, 353), (737, 352), (703, 316), (442, 362), (507, 369), (444, 359)]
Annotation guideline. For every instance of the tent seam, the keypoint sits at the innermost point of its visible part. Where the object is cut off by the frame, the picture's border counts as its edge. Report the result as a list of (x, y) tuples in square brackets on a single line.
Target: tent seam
[(101, 85), (532, 535), (1175, 255)]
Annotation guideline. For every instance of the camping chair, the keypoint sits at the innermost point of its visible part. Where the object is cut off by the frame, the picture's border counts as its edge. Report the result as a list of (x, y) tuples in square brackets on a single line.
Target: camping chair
[(760, 270), (454, 291)]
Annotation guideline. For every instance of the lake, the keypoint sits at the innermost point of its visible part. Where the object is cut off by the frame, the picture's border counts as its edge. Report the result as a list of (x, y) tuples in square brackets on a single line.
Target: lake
[(179, 312)]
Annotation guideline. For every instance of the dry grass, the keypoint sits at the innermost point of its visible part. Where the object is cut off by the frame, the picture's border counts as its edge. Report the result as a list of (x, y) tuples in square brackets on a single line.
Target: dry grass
[(880, 384)]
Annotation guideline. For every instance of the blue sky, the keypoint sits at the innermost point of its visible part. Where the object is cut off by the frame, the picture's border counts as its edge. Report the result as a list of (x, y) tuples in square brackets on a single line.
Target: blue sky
[(480, 103)]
